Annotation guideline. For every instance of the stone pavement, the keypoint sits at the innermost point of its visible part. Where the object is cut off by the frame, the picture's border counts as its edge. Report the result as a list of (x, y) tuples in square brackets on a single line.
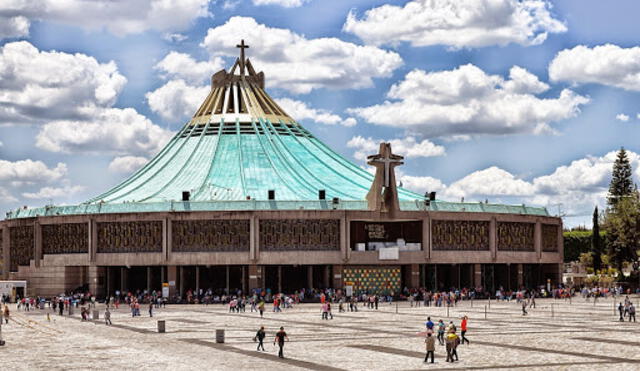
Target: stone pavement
[(557, 334)]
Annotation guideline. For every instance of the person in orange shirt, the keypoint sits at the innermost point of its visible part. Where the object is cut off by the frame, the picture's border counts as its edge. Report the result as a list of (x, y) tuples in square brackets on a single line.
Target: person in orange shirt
[(463, 328)]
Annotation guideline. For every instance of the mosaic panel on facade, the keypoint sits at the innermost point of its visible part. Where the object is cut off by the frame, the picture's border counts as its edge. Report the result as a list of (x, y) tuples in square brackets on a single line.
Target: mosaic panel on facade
[(383, 280), (210, 235), (21, 246), (299, 234), (127, 237), (549, 237), (460, 235), (69, 238), (515, 236)]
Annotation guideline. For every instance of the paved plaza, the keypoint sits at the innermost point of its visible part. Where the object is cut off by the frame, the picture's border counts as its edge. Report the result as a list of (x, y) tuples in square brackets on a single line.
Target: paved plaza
[(557, 334)]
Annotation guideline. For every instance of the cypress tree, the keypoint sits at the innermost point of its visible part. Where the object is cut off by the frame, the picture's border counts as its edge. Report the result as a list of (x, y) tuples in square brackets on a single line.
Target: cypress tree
[(596, 243), (621, 181)]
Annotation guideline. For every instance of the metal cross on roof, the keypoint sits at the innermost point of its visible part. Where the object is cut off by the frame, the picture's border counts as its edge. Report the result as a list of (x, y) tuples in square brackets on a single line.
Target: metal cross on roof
[(242, 47), (387, 159)]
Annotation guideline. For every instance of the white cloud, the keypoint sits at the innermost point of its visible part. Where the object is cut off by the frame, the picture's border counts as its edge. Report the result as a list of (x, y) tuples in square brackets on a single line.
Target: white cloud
[(604, 64), (622, 117), (30, 172), (491, 181), (176, 101), (175, 37), (13, 26), (293, 62), (38, 85), (283, 3), (422, 184), (299, 110), (127, 164), (408, 147), (457, 23), (114, 130), (54, 192), (6, 196), (181, 66), (467, 101), (118, 17)]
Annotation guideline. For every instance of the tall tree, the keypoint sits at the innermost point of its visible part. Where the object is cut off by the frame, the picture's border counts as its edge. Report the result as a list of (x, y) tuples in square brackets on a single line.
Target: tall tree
[(621, 181), (623, 230), (596, 243)]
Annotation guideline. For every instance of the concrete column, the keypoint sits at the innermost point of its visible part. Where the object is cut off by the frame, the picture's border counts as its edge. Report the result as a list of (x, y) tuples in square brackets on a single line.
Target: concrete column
[(96, 277), (37, 242), (310, 276), (181, 272), (537, 240), (415, 275), (347, 235), (172, 276), (337, 277), (492, 239), (520, 268), (107, 283), (197, 280), (254, 277), (163, 278), (4, 249), (253, 239), (561, 245), (166, 239), (227, 279), (426, 237), (477, 275), (326, 276), (123, 279), (279, 279), (149, 274), (93, 240), (345, 244), (244, 280)]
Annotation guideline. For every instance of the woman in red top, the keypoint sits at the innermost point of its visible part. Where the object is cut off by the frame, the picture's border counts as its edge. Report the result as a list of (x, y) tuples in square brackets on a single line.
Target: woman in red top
[(463, 327)]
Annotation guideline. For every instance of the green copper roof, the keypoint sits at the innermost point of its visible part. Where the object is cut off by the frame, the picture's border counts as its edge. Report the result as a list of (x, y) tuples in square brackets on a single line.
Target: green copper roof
[(239, 145)]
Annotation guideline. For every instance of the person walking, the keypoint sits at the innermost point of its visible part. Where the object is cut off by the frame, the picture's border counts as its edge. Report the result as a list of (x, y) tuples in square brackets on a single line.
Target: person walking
[(450, 342), (325, 311), (6, 314), (524, 307), (261, 307), (463, 329), (632, 312), (429, 324), (621, 311), (151, 309), (430, 342), (280, 338), (441, 328), (107, 317), (260, 335)]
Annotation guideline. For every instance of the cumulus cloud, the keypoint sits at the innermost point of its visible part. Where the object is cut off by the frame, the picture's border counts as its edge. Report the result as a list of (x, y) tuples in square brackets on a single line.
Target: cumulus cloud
[(30, 172), (6, 196), (491, 181), (622, 117), (13, 26), (118, 17), (182, 66), (422, 184), (408, 147), (457, 23), (293, 62), (38, 86), (301, 111), (54, 192), (604, 64), (114, 130), (126, 164), (283, 3), (176, 100), (467, 101)]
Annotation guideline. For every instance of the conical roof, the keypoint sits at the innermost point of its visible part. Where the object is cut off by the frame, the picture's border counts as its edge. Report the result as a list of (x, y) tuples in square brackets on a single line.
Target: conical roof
[(239, 145)]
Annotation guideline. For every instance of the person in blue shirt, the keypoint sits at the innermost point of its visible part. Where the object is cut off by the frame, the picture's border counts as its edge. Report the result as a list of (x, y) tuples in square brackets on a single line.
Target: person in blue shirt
[(429, 324)]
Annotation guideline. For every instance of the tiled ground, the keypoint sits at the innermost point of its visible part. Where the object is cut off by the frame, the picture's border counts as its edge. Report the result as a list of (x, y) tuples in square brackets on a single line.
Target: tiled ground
[(576, 335)]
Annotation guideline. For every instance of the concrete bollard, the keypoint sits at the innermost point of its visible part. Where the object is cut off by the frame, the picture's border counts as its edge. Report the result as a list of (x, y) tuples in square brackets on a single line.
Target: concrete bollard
[(161, 327), (71, 310), (219, 336), (96, 314)]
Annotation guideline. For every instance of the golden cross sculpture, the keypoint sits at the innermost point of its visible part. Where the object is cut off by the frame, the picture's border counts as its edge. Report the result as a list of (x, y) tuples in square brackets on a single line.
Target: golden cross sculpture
[(242, 47)]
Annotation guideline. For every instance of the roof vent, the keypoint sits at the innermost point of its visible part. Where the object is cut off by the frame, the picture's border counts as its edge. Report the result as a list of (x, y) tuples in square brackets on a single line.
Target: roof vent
[(186, 195), (272, 194)]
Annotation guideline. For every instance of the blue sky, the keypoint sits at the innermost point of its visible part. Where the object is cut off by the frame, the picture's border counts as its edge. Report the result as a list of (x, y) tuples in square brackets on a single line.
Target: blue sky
[(505, 100)]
